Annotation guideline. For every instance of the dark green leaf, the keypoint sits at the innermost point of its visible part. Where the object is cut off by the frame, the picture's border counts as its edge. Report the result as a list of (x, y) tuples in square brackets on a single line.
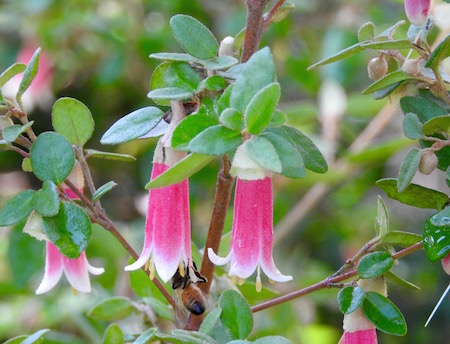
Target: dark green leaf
[(350, 298), (145, 337), (112, 309), (218, 63), (425, 109), (72, 119), (46, 200), (437, 125), (415, 195), (35, 337), (257, 73), (52, 157), (277, 120), (442, 218), (180, 75), (189, 128), (9, 73), (194, 37), (436, 241), (384, 314), (290, 158), (172, 57), (157, 80), (400, 281), (17, 208), (213, 83), (11, 133), (343, 54), (132, 126), (388, 45), (170, 93), (103, 189), (366, 32), (384, 92), (404, 239), (232, 119), (212, 326), (263, 153), (29, 74), (69, 230), (216, 140), (113, 335), (92, 153), (441, 52), (181, 170), (408, 169), (387, 80), (412, 128), (375, 264), (184, 336), (260, 109), (236, 314)]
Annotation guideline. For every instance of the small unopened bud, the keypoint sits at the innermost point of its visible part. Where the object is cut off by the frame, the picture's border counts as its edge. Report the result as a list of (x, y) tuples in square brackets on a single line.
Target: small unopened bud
[(446, 263), (377, 68), (417, 11), (226, 46), (411, 66), (428, 162)]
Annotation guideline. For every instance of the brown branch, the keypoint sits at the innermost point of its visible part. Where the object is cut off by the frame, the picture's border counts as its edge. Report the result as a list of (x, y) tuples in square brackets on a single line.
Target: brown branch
[(268, 17)]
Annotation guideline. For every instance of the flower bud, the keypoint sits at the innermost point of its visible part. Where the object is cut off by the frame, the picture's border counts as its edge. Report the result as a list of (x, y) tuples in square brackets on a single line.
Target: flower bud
[(428, 162), (377, 68), (446, 263), (411, 66), (417, 11)]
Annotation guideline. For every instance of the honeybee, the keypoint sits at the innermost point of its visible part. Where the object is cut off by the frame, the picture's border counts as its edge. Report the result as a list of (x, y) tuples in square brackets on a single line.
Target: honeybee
[(187, 293)]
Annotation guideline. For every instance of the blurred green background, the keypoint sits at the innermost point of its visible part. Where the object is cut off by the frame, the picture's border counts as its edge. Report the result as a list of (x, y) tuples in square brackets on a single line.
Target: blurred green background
[(100, 53)]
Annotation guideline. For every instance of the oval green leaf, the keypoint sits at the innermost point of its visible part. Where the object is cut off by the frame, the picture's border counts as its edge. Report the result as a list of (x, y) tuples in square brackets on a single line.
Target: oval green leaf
[(46, 200), (194, 37), (260, 109), (17, 208), (350, 298), (218, 63), (401, 238), (215, 140), (10, 72), (408, 169), (442, 218), (132, 126), (181, 75), (387, 80), (145, 337), (277, 120), (185, 336), (436, 241), (343, 54), (384, 314), (263, 153), (232, 119), (169, 93), (236, 314), (72, 119), (437, 125), (52, 157), (375, 264), (412, 128), (441, 52), (103, 190), (172, 57), (366, 32), (35, 337), (112, 309), (113, 335), (29, 74), (92, 153), (157, 81), (425, 109), (189, 128), (69, 230), (388, 45), (11, 133)]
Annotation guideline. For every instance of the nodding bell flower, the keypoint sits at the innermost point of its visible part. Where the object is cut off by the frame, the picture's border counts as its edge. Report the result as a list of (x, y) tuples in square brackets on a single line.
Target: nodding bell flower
[(417, 11), (252, 230), (76, 270)]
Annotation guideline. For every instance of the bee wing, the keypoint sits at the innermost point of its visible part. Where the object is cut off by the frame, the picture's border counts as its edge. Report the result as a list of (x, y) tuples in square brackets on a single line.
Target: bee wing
[(181, 313)]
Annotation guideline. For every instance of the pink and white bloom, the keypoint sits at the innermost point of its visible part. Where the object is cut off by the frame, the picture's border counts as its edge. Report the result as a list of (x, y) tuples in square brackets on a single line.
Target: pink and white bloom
[(252, 230), (417, 11), (446, 264), (167, 228)]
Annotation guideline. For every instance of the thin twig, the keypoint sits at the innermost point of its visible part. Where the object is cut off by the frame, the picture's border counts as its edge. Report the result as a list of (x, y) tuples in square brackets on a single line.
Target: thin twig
[(268, 17)]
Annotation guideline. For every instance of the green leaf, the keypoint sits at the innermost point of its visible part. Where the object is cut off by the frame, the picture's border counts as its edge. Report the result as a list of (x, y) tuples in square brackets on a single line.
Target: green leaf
[(366, 32), (132, 126), (213, 83), (282, 12), (412, 128), (172, 57), (112, 309), (415, 195), (157, 80), (113, 335), (218, 63), (212, 326), (404, 239), (222, 102), (35, 337), (379, 152), (384, 92), (387, 80), (388, 45), (437, 125), (92, 153), (11, 133), (215, 140), (263, 153), (52, 157), (181, 170), (189, 128), (185, 336), (145, 337), (442, 218), (272, 340), (350, 298), (29, 74), (257, 73), (260, 109), (69, 230), (17, 208), (425, 109), (343, 54), (290, 158), (277, 120), (408, 169), (236, 314), (375, 264), (180, 75), (194, 37), (46, 200), (389, 32), (441, 52), (16, 340), (382, 218), (170, 93), (161, 309), (232, 119), (72, 119), (10, 72), (103, 190), (384, 314), (436, 241), (400, 281)]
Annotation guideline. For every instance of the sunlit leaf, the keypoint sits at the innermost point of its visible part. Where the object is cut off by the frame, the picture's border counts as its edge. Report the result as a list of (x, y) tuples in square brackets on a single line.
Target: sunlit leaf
[(10, 72), (261, 151), (113, 335), (236, 314), (260, 109), (375, 264), (215, 140), (17, 208), (112, 309), (436, 241), (46, 200), (387, 80), (350, 298)]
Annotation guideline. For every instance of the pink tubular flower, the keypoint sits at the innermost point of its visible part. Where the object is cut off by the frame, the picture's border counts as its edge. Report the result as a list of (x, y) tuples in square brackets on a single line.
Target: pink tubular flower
[(252, 231), (417, 11), (446, 264), (167, 227)]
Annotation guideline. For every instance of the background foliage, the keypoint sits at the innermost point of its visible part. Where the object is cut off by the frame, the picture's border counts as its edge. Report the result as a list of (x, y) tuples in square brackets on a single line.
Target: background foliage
[(100, 50)]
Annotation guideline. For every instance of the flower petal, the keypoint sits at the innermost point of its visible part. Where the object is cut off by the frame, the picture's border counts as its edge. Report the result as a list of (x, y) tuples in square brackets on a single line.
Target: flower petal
[(77, 273), (93, 270), (216, 260), (53, 269), (359, 337)]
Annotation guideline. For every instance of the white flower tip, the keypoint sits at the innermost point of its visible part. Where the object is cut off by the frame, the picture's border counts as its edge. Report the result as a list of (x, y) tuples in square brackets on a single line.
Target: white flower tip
[(245, 168), (95, 271), (226, 46), (216, 260)]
